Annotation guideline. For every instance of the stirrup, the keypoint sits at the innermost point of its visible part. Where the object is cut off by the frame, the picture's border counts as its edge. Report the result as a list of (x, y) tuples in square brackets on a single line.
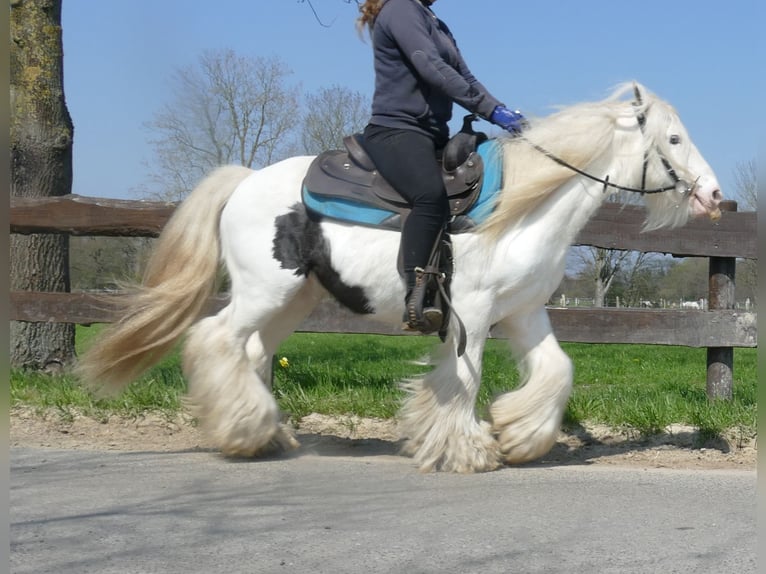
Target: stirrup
[(417, 315)]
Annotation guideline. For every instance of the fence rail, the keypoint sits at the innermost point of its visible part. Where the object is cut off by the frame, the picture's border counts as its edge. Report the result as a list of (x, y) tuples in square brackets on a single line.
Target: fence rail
[(719, 329), (612, 227)]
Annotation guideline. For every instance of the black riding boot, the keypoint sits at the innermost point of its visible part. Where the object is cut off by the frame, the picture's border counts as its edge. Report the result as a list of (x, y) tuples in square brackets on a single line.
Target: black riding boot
[(420, 314)]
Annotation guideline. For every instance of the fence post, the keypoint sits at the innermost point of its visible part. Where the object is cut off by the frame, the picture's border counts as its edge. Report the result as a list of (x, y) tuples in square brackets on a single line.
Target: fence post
[(720, 360)]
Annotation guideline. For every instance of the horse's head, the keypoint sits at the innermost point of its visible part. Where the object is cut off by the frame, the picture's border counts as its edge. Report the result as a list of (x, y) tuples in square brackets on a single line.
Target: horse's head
[(615, 145), (673, 161)]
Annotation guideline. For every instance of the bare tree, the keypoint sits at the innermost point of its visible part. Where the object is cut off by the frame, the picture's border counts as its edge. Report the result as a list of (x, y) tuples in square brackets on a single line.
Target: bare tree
[(227, 109), (639, 279), (106, 262), (602, 266), (746, 182), (685, 280), (316, 14), (41, 134), (334, 112)]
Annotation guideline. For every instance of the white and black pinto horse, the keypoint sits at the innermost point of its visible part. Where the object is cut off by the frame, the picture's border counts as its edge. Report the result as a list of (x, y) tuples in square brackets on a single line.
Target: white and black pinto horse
[(281, 264)]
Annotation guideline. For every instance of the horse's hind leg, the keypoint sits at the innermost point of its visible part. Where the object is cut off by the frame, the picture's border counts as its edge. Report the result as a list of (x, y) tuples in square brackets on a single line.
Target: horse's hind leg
[(527, 420), (227, 362), (264, 342), (231, 401)]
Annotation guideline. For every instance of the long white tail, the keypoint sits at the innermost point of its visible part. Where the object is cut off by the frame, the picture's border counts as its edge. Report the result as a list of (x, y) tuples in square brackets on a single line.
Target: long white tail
[(179, 278)]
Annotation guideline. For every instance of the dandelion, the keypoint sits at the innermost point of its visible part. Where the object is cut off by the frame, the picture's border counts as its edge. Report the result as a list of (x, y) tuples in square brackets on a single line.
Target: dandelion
[(284, 363)]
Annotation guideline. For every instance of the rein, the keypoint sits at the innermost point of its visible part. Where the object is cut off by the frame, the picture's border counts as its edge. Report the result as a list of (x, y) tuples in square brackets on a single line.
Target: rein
[(679, 185), (605, 181)]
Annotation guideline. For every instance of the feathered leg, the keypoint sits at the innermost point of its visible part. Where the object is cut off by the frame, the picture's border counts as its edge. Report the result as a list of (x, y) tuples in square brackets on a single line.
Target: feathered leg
[(527, 420), (438, 418)]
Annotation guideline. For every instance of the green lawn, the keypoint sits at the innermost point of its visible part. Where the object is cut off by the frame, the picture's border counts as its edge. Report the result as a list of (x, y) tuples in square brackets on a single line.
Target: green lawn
[(636, 386)]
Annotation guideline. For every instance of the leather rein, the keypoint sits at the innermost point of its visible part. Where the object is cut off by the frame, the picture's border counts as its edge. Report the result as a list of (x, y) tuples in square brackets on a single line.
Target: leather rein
[(679, 185)]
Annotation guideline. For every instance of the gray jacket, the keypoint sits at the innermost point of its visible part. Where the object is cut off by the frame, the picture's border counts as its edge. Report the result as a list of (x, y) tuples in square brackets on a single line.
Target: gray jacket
[(419, 72)]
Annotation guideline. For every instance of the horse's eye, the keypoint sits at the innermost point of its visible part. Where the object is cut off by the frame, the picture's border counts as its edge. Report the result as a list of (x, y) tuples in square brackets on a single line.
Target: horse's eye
[(675, 139)]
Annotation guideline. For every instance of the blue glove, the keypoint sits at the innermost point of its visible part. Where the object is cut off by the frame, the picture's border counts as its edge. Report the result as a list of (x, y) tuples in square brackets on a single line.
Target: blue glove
[(512, 122)]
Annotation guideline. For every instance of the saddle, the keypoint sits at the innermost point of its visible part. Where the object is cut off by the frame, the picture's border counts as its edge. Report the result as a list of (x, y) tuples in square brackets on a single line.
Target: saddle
[(349, 180)]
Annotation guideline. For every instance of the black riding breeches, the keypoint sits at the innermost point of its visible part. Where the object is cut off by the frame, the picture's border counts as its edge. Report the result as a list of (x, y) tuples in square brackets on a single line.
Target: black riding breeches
[(408, 161)]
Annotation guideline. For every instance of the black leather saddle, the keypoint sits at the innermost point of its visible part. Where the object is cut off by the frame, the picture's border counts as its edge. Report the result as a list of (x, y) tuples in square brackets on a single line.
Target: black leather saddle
[(350, 175)]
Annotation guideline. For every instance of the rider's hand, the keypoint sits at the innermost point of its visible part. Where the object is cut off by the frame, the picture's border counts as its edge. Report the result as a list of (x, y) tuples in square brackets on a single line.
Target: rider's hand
[(510, 121)]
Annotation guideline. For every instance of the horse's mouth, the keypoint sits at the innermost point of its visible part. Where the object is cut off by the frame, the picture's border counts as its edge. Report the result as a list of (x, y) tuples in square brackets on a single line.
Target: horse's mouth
[(700, 208)]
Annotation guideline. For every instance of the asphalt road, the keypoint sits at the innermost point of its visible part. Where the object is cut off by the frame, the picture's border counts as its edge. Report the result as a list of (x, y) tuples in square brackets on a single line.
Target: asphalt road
[(115, 512)]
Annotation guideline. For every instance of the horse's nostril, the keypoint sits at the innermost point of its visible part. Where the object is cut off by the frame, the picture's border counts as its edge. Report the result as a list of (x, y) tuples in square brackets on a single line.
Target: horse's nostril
[(717, 195)]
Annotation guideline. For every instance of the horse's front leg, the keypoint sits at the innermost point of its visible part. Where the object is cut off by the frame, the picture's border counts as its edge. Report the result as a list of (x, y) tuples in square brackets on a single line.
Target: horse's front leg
[(527, 420), (438, 417)]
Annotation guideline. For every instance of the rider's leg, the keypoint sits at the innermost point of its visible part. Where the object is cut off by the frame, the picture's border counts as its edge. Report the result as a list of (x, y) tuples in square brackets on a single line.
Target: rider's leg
[(408, 161)]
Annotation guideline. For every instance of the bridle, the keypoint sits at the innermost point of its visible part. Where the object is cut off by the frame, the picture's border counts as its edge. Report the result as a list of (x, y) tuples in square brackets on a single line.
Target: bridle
[(679, 185)]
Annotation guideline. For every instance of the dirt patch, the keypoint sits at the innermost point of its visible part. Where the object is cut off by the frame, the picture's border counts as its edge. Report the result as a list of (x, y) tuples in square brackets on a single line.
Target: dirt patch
[(678, 447)]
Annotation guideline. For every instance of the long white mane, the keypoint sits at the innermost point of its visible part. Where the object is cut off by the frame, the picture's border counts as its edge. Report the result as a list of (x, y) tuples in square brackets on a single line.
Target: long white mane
[(580, 134)]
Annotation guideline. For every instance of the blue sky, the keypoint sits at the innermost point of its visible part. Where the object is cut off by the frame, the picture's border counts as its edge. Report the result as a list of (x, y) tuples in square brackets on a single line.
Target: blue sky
[(704, 57)]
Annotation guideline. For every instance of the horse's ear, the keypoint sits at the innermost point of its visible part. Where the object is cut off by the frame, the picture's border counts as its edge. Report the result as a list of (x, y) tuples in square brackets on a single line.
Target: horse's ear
[(637, 94), (638, 105)]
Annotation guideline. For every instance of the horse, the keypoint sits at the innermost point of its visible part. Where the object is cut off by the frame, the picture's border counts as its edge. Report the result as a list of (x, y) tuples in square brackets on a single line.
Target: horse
[(281, 263)]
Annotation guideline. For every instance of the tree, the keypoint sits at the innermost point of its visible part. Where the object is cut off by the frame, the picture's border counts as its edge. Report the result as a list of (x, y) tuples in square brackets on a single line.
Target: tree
[(41, 135), (686, 280), (606, 265), (637, 280), (745, 181), (228, 109), (602, 266), (105, 262), (333, 113)]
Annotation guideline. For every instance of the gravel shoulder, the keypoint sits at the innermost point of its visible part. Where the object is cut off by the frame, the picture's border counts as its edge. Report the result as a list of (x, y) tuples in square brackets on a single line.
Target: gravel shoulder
[(679, 447)]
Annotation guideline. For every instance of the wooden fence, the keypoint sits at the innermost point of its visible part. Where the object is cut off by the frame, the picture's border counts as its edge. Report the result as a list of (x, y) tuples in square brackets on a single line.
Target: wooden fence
[(720, 329)]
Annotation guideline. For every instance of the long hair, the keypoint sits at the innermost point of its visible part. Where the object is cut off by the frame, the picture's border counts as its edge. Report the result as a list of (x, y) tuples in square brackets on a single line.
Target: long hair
[(368, 11)]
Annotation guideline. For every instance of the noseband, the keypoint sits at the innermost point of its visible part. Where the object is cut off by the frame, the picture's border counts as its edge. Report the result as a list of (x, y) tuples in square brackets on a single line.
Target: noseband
[(681, 186)]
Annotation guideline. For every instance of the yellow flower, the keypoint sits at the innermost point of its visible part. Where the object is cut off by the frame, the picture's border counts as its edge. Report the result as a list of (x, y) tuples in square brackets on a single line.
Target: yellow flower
[(284, 363)]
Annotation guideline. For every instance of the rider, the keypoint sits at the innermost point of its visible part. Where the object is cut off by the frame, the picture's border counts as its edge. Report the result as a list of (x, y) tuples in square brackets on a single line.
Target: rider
[(419, 74)]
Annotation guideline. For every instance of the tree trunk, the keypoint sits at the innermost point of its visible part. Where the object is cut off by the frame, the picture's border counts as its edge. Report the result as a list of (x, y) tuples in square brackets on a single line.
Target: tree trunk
[(41, 165), (604, 273)]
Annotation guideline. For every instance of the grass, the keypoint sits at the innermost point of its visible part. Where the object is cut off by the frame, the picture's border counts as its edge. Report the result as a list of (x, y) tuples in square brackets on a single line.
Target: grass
[(159, 390), (639, 387)]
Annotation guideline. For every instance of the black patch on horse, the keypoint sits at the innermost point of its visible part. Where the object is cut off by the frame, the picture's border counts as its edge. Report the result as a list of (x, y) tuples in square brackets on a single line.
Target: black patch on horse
[(300, 245)]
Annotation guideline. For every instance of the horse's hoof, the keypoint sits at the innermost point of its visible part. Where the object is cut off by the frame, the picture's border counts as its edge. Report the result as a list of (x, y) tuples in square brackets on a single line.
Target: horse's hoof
[(281, 441)]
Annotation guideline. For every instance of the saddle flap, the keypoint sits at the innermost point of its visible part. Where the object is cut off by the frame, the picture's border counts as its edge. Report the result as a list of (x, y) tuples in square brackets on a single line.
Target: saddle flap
[(334, 174), (379, 186)]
